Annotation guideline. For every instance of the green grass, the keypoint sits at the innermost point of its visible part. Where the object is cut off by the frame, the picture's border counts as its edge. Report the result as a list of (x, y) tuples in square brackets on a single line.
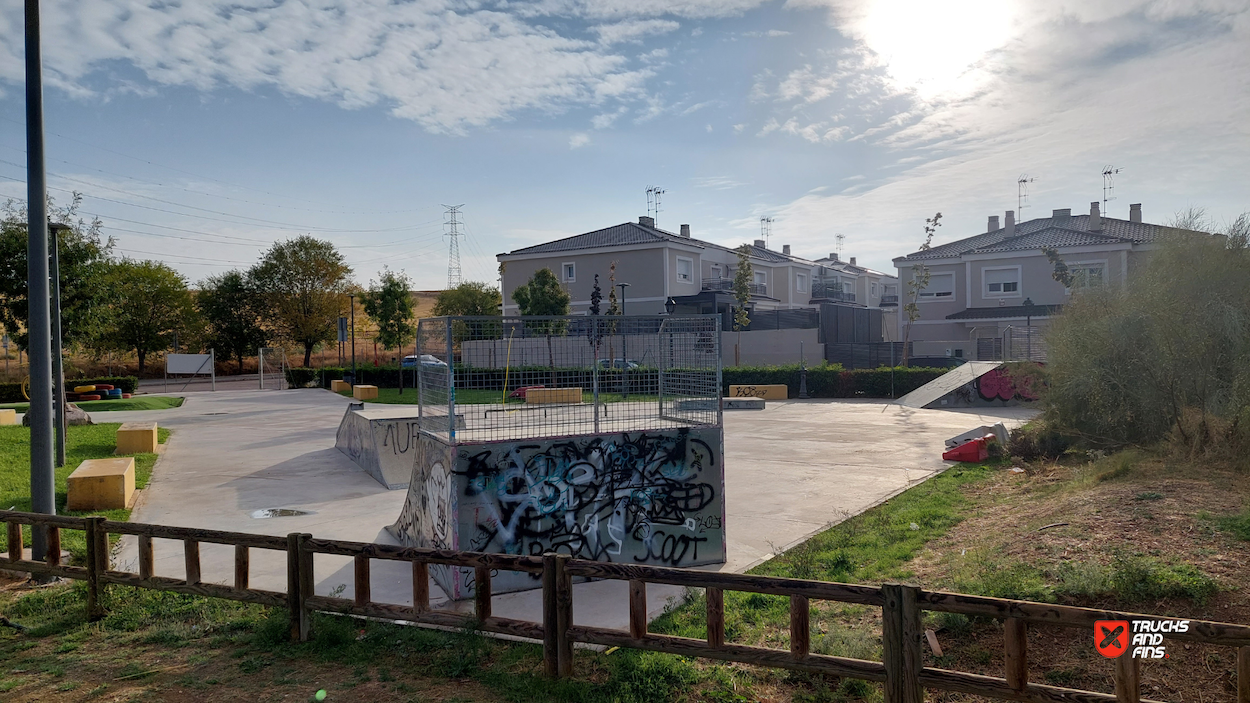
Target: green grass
[(146, 402), (1237, 525), (469, 396), (81, 443)]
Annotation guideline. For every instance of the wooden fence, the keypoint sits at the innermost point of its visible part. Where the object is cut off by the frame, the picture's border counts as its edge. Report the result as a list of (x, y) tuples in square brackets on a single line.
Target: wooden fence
[(902, 670)]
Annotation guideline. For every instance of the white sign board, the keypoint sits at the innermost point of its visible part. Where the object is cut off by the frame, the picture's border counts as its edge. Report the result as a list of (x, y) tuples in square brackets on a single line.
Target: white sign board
[(189, 363)]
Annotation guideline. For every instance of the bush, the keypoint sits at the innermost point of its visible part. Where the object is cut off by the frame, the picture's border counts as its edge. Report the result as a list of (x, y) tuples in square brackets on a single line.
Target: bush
[(832, 381), (300, 377), (1132, 580), (1037, 440)]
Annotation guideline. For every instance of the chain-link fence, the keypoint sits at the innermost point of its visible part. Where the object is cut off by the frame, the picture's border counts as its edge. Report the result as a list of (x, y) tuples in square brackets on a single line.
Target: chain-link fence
[(503, 378)]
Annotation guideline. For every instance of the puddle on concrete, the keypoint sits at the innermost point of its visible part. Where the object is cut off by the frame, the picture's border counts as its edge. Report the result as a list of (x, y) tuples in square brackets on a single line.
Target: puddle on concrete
[(278, 512), (215, 413)]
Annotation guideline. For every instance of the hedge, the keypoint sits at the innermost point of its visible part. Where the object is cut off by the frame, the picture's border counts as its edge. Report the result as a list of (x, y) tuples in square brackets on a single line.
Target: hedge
[(12, 392), (832, 381)]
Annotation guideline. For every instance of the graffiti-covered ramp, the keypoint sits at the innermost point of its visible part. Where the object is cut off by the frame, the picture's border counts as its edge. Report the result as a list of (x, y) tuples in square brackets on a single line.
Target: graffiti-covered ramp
[(381, 441), (951, 387)]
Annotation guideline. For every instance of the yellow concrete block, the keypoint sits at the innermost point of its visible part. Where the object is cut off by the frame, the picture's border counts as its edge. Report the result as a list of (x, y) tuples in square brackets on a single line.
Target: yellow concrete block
[(340, 386), (365, 392), (8, 417), (553, 395), (101, 484), (770, 392), (136, 438)]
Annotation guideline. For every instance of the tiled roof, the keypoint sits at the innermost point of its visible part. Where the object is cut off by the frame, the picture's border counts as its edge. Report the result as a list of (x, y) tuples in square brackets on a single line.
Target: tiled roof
[(630, 233), (1006, 311), (1047, 232)]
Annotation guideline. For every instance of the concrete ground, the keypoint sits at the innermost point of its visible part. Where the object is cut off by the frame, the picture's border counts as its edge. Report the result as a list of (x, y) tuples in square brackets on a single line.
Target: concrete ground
[(790, 471)]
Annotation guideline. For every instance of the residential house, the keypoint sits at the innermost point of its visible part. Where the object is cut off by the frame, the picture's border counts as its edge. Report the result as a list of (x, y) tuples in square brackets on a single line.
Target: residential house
[(989, 294)]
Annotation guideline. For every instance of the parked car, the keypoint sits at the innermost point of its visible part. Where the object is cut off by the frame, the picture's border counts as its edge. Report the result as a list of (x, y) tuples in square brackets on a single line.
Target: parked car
[(429, 360), (618, 364)]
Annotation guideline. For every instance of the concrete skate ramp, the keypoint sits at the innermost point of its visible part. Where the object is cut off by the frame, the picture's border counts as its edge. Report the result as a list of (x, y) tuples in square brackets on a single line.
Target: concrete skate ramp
[(381, 441), (950, 387)]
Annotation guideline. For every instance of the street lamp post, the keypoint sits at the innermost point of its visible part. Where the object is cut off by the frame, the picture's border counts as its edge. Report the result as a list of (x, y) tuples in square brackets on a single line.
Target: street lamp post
[(352, 299), (1028, 325)]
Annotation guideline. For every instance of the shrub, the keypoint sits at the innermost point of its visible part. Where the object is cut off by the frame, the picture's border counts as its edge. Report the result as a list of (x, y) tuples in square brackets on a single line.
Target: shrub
[(1037, 439), (832, 381), (300, 377)]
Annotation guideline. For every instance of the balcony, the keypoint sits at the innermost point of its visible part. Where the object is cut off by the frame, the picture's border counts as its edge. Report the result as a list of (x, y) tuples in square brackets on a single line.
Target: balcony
[(726, 285), (831, 292), (889, 300)]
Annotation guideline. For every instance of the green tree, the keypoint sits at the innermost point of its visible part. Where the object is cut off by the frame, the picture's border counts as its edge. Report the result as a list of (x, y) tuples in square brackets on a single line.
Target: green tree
[(596, 297), (542, 295), (468, 298), (389, 304), (920, 276), (150, 302), (743, 278), (231, 307), (302, 282), (85, 261)]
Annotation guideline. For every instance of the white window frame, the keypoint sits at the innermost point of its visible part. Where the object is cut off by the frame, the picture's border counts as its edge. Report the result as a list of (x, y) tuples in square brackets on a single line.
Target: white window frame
[(760, 277), (564, 271), (677, 271), (985, 285), (872, 285), (931, 298), (800, 282), (716, 271), (1089, 263)]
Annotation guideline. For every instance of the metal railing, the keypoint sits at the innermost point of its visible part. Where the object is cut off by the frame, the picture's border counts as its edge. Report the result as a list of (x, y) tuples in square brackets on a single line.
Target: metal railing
[(902, 668), (727, 284), (832, 292)]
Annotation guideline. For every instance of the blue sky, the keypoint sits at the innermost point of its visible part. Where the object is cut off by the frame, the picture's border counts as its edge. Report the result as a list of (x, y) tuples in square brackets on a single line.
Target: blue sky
[(202, 131)]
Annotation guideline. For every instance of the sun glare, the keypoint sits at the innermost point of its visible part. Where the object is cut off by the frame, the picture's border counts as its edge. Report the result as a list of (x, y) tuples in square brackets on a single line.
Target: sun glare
[(929, 45)]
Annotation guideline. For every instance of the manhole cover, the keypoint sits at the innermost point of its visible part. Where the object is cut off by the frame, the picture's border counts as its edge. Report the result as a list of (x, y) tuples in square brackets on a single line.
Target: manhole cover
[(278, 512)]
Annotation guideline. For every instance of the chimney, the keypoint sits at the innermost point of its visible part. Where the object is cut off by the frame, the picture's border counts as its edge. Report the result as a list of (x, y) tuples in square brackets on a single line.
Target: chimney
[(1059, 218), (1095, 217), (1134, 212), (760, 243), (993, 224), (646, 221), (852, 261), (785, 249), (833, 256), (1010, 223), (685, 231)]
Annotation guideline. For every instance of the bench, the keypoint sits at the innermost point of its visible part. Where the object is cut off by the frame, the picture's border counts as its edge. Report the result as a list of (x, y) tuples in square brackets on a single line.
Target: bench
[(338, 386), (101, 484), (136, 438), (769, 392), (365, 392), (538, 396), (8, 416)]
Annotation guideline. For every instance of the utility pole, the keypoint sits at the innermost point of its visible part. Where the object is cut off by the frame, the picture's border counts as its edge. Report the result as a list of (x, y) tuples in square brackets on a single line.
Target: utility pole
[(454, 276), (42, 471)]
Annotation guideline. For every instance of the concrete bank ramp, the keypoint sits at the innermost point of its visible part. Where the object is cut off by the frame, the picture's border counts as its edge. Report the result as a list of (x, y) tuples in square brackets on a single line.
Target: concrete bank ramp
[(381, 441), (946, 386)]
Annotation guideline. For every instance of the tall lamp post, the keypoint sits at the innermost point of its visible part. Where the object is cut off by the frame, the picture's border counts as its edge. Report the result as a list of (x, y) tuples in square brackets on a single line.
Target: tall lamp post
[(58, 371), (352, 299), (1028, 324), (624, 355)]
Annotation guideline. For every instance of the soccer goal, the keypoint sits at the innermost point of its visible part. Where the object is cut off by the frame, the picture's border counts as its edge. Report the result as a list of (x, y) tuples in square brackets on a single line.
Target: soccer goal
[(271, 367)]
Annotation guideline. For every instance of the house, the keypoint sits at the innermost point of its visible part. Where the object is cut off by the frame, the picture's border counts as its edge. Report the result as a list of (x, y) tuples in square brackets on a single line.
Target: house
[(989, 295), (697, 275)]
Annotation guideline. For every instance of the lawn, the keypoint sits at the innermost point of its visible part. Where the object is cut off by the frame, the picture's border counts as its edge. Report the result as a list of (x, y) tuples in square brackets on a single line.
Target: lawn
[(146, 402), (81, 443), (471, 396)]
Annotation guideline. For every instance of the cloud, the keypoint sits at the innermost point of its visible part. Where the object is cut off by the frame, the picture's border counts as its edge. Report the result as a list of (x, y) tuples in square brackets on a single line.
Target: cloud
[(770, 33), (433, 61), (614, 9), (716, 182), (606, 119), (579, 140), (633, 30)]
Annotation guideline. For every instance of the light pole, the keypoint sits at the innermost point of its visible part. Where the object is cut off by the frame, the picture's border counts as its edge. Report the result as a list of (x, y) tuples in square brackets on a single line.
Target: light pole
[(352, 299), (39, 325), (1028, 324), (58, 371)]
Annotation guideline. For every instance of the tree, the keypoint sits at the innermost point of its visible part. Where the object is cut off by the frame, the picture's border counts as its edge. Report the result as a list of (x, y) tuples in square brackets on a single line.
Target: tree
[(231, 307), (468, 298), (542, 295), (743, 278), (596, 297), (919, 280), (302, 282), (389, 303), (150, 302), (85, 262), (1061, 273)]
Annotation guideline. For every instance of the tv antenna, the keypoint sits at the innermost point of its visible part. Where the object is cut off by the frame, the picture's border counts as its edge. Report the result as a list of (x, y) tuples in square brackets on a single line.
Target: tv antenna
[(454, 276), (1108, 185), (653, 202), (1022, 193), (766, 229), (839, 238)]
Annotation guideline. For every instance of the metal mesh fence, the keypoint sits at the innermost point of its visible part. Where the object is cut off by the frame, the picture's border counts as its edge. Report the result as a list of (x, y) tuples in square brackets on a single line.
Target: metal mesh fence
[(482, 379)]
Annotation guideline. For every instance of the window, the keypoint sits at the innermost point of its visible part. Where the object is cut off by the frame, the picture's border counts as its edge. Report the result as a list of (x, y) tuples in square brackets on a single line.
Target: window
[(716, 271), (873, 288), (569, 271), (941, 287), (1087, 275), (800, 282), (685, 269), (761, 278), (1002, 282)]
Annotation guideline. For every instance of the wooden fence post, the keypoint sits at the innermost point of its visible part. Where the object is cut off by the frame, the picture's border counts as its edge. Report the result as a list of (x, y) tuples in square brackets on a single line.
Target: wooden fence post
[(15, 540), (481, 593), (551, 636), (637, 609), (900, 635), (307, 586), (715, 617), (95, 610), (564, 616), (293, 583), (1127, 679), (1015, 652), (800, 626), (1243, 675)]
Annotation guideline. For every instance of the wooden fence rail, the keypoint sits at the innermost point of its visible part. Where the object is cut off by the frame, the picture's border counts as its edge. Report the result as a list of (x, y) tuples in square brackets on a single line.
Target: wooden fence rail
[(902, 669)]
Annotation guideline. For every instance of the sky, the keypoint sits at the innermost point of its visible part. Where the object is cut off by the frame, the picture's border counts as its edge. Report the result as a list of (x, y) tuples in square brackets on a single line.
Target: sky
[(202, 131)]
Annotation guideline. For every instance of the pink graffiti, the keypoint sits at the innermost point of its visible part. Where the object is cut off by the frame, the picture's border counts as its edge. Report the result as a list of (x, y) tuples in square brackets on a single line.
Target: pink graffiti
[(999, 384)]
